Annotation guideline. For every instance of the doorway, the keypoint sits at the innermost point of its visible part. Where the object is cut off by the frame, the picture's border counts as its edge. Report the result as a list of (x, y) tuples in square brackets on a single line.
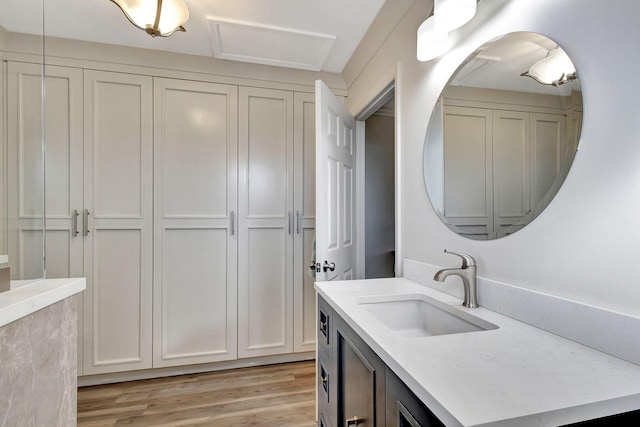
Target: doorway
[(379, 187)]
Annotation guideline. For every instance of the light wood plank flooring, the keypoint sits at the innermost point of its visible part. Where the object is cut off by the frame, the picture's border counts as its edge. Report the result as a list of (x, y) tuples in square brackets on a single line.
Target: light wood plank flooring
[(277, 395)]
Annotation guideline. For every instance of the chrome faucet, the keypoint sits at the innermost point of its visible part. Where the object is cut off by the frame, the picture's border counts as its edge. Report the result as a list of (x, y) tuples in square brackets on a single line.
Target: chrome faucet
[(468, 275)]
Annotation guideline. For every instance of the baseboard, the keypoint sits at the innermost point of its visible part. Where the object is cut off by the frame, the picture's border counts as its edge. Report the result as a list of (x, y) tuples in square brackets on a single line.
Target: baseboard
[(89, 380), (606, 330)]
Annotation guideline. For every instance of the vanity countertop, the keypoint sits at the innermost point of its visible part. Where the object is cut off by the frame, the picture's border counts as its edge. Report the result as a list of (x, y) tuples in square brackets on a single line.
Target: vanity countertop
[(28, 297), (514, 375)]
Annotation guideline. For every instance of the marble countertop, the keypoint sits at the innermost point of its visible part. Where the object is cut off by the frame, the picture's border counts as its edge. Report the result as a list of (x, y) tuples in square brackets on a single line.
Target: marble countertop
[(513, 375), (28, 297)]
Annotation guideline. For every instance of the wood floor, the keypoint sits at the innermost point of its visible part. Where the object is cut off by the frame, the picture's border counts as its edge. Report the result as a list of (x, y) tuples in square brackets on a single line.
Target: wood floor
[(277, 395)]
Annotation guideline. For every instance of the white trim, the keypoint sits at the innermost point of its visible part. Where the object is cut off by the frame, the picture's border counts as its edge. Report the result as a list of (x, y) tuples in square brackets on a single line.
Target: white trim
[(321, 43), (398, 184), (360, 200), (378, 101)]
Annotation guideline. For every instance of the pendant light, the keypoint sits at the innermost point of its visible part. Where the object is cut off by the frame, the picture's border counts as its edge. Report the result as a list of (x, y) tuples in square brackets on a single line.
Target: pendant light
[(156, 17), (554, 69), (452, 14), (431, 43)]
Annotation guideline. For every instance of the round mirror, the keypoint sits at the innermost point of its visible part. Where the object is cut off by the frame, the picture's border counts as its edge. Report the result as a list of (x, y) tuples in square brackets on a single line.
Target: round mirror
[(502, 136)]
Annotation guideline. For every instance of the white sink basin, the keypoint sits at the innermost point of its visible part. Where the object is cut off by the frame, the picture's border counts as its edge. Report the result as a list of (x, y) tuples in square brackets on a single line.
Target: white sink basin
[(417, 315)]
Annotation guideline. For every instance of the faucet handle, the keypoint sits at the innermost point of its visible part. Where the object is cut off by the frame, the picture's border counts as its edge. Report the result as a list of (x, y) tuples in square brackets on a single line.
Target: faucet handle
[(467, 260)]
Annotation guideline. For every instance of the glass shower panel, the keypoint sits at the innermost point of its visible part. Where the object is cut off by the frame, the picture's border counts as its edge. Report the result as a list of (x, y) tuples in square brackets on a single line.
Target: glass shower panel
[(22, 123)]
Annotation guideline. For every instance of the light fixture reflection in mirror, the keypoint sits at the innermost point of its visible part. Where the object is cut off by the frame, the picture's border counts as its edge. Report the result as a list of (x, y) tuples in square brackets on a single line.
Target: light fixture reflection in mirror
[(499, 145), (554, 69)]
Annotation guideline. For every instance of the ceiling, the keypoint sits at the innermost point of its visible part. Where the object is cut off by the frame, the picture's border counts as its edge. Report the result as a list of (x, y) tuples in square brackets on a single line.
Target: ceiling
[(337, 27), (499, 64)]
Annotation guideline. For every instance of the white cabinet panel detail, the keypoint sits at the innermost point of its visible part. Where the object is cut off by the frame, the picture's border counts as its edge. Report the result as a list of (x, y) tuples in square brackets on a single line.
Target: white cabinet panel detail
[(304, 294), (195, 277), (266, 223), (196, 319), (117, 222), (119, 332)]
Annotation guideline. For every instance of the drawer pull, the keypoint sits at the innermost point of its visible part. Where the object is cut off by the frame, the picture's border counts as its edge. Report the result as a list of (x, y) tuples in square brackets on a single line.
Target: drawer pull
[(354, 421)]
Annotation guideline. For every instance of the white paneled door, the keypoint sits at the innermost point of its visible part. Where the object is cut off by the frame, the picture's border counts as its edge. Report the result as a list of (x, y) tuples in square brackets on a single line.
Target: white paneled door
[(195, 278), (266, 222), (117, 221), (335, 188)]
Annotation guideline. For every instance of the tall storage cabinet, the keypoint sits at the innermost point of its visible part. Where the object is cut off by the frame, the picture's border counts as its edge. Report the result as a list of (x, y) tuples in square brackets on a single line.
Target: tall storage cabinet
[(189, 207), (500, 165), (276, 222), (266, 223), (195, 279), (117, 223), (63, 112), (304, 294)]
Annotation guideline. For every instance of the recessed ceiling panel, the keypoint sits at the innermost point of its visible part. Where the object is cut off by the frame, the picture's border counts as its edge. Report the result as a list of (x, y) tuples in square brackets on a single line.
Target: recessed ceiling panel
[(264, 44)]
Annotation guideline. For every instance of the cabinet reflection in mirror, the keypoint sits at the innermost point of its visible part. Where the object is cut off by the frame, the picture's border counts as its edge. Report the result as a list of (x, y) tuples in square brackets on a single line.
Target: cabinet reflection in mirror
[(502, 136)]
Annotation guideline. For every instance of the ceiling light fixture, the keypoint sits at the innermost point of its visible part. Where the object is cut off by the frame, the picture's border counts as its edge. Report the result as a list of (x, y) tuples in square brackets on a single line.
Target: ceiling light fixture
[(452, 14), (156, 17), (431, 43), (554, 69)]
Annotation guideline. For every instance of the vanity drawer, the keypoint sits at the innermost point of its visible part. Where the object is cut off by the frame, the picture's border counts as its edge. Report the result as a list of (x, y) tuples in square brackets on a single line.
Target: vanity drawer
[(324, 313)]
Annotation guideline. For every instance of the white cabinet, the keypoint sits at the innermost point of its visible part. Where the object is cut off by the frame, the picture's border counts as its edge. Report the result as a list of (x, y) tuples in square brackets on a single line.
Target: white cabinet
[(304, 294), (500, 165), (63, 113), (276, 299), (117, 224), (195, 208), (511, 167), (551, 154), (195, 280), (266, 223), (468, 169), (25, 169)]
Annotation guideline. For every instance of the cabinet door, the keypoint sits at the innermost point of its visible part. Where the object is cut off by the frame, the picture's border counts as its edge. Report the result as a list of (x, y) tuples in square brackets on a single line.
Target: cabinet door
[(195, 277), (266, 222), (327, 388), (404, 409), (25, 171), (511, 181), (549, 150), (304, 294), (468, 170), (361, 380), (117, 221)]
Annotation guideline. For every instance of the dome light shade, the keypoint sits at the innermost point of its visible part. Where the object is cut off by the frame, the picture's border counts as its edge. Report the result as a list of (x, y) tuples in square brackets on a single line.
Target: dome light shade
[(156, 17), (554, 69), (431, 43), (452, 14)]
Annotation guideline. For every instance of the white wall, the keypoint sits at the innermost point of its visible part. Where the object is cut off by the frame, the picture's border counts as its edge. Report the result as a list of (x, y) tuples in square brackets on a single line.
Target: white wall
[(586, 244)]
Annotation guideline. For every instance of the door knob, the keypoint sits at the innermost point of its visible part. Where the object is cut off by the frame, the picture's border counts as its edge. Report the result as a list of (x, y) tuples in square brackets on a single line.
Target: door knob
[(328, 266)]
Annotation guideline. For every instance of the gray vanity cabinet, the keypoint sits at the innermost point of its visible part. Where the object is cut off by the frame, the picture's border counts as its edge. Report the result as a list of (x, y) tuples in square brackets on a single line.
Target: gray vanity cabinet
[(326, 369), (404, 409), (360, 380), (355, 387)]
